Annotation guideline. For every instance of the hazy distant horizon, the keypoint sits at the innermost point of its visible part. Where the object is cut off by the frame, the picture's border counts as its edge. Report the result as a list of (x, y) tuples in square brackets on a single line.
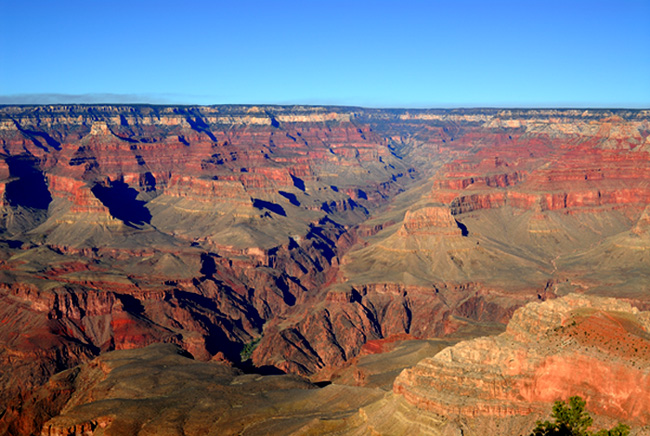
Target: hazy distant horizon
[(161, 100)]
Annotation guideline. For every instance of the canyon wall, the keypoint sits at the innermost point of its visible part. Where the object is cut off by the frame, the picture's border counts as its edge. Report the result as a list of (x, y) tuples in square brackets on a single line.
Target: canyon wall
[(597, 348), (298, 233)]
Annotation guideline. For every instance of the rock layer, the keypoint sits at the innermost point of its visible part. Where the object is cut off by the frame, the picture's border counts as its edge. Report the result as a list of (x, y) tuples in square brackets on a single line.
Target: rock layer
[(576, 345), (307, 231)]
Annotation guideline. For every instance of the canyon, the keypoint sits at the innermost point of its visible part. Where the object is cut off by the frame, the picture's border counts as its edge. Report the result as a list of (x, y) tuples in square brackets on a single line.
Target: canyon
[(307, 255)]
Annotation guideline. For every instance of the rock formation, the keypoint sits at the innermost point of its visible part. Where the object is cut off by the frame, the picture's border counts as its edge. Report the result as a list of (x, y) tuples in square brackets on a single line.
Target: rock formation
[(594, 347), (308, 231), (160, 390)]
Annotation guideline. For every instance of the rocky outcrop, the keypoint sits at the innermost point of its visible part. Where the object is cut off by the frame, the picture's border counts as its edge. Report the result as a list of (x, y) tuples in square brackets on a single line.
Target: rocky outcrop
[(433, 220), (577, 178), (598, 348), (328, 336)]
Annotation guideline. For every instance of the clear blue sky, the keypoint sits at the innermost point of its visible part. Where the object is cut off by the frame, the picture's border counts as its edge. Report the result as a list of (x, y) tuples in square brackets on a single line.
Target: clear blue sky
[(452, 53)]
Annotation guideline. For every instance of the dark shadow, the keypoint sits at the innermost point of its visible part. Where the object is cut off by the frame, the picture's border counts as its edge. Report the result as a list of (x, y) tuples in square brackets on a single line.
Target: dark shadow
[(325, 207), (120, 199), (298, 183), (322, 243), (185, 353), (140, 160), (149, 182), (128, 139), (30, 189), (201, 126), (47, 138), (322, 384), (291, 197), (80, 158), (12, 243), (275, 208), (334, 188), (208, 265), (463, 228), (215, 159), (274, 122), (207, 313), (288, 298), (362, 194), (183, 141), (131, 304), (42, 135), (355, 296), (249, 368)]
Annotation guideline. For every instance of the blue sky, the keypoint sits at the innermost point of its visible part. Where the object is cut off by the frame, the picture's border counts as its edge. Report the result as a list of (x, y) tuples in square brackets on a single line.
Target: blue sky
[(458, 53)]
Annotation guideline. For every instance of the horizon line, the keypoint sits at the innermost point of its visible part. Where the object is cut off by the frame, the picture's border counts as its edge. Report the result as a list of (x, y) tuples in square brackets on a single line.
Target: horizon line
[(110, 99)]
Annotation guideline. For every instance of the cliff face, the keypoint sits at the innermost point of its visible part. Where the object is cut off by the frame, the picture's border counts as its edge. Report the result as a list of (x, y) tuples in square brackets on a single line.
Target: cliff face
[(577, 345), (311, 230)]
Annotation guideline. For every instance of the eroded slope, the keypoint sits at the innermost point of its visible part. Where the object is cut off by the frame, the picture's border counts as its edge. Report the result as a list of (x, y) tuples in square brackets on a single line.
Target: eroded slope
[(308, 231)]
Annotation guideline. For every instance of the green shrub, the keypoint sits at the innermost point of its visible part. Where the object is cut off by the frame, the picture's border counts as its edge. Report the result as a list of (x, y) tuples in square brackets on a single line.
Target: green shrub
[(248, 349), (572, 420)]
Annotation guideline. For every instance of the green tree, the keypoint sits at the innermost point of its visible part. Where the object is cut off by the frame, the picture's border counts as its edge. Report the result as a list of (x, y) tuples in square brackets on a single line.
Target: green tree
[(572, 420), (619, 430), (247, 350)]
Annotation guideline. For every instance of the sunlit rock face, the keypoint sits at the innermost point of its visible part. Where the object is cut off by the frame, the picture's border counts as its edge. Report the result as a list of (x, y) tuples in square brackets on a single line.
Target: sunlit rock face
[(598, 348), (308, 231)]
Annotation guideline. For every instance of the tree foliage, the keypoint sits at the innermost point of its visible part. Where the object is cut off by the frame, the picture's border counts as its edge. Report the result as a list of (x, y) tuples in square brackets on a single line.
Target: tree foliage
[(247, 350), (572, 420)]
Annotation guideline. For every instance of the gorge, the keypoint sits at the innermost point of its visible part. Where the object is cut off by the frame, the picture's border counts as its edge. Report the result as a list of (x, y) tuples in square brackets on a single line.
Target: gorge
[(291, 257)]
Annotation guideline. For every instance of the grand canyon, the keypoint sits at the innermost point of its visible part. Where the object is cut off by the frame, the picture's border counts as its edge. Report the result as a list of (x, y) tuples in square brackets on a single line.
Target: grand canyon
[(246, 270)]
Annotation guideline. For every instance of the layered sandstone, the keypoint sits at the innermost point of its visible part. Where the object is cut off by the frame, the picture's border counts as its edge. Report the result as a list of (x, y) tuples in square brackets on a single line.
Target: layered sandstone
[(303, 229), (598, 348), (430, 220)]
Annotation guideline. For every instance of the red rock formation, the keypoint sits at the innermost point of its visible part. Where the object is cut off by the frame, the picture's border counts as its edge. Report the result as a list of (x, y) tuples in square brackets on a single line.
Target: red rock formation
[(430, 221), (210, 227), (577, 345), (329, 336)]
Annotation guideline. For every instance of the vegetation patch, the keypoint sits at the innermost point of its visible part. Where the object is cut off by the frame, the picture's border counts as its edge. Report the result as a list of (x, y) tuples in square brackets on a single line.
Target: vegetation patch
[(248, 349)]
